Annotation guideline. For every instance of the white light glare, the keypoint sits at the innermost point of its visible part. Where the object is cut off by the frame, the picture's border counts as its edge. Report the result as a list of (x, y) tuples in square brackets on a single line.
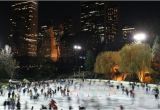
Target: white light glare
[(140, 37), (77, 47)]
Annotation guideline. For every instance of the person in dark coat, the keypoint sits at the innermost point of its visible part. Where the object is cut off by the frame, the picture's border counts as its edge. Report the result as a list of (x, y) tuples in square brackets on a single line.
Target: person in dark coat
[(5, 104), (121, 107), (18, 105), (9, 94)]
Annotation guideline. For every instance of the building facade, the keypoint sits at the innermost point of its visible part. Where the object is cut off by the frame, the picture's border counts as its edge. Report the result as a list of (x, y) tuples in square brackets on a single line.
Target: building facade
[(68, 26), (112, 22), (102, 19), (92, 18), (48, 45), (128, 33), (23, 33)]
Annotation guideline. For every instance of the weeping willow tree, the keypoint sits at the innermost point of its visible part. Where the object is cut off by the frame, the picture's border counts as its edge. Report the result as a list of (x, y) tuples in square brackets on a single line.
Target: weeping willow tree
[(89, 62), (106, 63), (136, 60)]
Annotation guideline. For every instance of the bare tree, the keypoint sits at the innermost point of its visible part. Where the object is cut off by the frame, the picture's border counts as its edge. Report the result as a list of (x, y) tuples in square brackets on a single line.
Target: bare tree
[(8, 63)]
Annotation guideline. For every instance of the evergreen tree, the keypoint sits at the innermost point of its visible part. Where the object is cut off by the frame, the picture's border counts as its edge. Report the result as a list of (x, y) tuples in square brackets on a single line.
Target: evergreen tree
[(89, 62), (156, 50), (7, 63)]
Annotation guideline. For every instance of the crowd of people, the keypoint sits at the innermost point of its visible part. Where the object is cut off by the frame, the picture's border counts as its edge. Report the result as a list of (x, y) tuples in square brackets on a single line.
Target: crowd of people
[(35, 90)]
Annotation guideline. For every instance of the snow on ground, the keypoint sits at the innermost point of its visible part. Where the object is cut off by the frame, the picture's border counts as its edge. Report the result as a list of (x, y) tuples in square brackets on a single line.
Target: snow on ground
[(94, 96)]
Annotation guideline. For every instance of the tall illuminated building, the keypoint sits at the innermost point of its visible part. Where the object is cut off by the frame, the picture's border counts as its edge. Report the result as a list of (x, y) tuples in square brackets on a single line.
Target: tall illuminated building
[(23, 33), (92, 18), (68, 26), (128, 33), (102, 19), (112, 27), (48, 45)]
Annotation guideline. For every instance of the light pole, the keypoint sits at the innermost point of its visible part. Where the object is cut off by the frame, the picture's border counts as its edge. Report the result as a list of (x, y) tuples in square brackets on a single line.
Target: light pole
[(77, 48), (139, 37)]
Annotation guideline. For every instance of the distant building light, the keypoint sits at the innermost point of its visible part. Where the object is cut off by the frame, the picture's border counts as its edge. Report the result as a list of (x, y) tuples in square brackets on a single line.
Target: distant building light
[(100, 27), (96, 3), (101, 4), (126, 29), (31, 16), (92, 12), (44, 26), (30, 40), (12, 5), (85, 29)]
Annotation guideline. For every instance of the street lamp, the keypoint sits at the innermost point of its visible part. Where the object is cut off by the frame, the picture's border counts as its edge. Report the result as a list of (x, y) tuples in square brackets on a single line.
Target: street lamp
[(77, 48), (139, 37)]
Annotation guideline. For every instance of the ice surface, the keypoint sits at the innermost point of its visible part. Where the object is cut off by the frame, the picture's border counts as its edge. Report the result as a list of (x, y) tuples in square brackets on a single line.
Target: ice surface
[(96, 95)]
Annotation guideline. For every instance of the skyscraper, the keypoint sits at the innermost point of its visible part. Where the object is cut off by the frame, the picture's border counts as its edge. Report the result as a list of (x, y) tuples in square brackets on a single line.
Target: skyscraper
[(100, 18), (68, 26), (23, 22), (93, 18), (48, 46), (127, 33), (112, 21)]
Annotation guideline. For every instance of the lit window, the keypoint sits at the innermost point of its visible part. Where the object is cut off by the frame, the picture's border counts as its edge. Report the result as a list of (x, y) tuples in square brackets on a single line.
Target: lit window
[(92, 12), (101, 27), (11, 35), (85, 29)]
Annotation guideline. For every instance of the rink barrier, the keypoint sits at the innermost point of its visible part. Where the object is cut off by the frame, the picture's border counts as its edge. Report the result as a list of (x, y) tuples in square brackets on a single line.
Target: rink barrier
[(116, 82)]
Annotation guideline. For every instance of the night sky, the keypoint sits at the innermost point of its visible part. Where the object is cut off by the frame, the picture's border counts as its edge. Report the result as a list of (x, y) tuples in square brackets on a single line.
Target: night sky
[(144, 15), (4, 22)]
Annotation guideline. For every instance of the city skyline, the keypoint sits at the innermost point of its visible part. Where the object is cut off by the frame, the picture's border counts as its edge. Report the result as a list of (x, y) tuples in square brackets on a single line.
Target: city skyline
[(140, 14)]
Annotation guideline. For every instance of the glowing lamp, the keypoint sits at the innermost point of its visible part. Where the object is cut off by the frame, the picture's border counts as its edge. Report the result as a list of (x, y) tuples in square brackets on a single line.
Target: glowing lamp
[(139, 37)]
